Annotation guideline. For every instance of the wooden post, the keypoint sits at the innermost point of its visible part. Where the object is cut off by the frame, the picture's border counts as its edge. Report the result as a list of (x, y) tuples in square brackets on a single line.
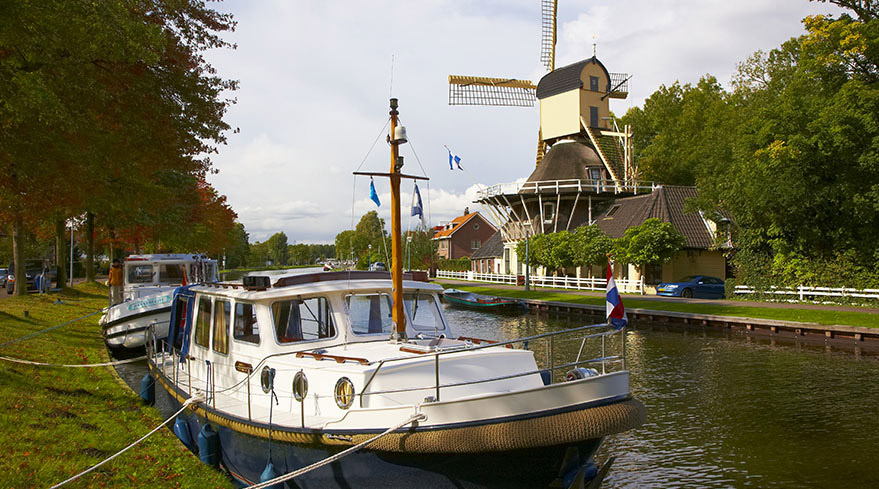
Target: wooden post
[(397, 315)]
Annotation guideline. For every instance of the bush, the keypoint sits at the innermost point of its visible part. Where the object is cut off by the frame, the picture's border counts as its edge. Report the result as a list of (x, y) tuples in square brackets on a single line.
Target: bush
[(456, 265)]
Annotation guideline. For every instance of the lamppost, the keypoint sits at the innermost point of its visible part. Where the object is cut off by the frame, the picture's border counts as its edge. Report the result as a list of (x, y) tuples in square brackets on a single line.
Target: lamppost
[(369, 257), (527, 263)]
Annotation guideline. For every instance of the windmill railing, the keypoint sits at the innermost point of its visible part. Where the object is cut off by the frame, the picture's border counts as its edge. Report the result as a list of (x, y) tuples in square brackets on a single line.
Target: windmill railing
[(565, 186)]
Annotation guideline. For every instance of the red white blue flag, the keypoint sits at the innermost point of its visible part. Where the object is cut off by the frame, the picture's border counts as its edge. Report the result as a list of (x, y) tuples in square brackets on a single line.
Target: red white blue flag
[(616, 314)]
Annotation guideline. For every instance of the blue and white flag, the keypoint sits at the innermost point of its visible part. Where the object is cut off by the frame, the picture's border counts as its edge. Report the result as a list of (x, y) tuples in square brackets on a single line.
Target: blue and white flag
[(417, 206), (454, 160), (616, 314), (372, 195)]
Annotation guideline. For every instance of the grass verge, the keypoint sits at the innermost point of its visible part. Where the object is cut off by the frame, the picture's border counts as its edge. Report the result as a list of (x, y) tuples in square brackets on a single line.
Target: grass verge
[(848, 318), (57, 422)]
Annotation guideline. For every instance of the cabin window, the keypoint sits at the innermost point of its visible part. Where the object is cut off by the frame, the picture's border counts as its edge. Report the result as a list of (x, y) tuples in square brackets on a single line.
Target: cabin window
[(423, 312), (221, 326), (203, 322), (370, 314), (303, 319), (172, 274), (246, 326), (210, 270), (140, 274)]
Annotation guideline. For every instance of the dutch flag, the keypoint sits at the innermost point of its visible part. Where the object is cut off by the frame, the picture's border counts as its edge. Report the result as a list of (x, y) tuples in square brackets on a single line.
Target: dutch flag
[(616, 314)]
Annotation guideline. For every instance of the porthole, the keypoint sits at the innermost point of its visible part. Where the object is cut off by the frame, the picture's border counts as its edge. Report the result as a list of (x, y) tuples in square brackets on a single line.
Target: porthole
[(300, 386), (344, 393), (265, 378)]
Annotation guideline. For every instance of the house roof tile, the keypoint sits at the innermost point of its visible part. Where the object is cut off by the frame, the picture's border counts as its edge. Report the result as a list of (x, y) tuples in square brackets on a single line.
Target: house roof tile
[(492, 248)]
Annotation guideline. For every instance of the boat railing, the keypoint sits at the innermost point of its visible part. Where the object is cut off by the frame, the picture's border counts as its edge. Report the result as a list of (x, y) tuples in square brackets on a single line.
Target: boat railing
[(604, 360), (158, 351)]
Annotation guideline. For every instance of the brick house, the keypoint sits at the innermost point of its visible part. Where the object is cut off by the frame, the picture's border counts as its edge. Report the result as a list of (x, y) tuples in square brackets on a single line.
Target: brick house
[(463, 235), (488, 258)]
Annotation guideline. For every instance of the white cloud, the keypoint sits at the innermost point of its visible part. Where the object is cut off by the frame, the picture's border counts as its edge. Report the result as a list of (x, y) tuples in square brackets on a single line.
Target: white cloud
[(316, 76)]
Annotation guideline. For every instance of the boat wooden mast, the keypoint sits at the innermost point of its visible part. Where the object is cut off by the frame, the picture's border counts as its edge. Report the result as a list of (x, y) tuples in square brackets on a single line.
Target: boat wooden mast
[(397, 315)]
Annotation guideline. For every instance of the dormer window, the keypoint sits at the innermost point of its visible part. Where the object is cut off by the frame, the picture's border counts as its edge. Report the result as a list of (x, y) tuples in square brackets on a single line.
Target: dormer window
[(613, 210), (548, 212)]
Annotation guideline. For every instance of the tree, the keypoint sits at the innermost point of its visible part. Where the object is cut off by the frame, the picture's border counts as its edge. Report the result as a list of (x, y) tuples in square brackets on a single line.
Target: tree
[(276, 246), (344, 244), (300, 254), (650, 243), (237, 247), (592, 246), (537, 252)]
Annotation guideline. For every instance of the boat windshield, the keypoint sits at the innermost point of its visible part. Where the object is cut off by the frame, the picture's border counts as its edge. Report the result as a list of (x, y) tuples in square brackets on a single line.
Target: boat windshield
[(370, 313), (303, 319), (424, 313), (171, 273), (140, 274)]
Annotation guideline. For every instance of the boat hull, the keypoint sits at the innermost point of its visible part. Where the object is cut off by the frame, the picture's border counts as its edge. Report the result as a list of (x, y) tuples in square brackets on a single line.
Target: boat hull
[(245, 456), (124, 325)]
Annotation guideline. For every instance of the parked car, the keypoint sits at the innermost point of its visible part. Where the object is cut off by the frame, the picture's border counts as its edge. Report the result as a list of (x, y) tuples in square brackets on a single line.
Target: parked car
[(379, 267), (700, 286), (4, 272), (33, 270)]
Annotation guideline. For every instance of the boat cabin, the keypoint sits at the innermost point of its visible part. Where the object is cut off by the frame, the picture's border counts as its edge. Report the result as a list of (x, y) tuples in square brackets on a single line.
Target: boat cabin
[(153, 273)]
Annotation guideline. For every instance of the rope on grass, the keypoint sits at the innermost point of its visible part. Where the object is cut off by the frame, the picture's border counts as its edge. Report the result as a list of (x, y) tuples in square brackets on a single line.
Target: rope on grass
[(411, 419), (105, 364), (196, 398), (16, 340)]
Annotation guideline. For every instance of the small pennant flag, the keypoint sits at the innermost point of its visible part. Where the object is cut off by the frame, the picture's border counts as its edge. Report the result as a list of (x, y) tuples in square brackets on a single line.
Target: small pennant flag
[(417, 206), (372, 195), (616, 314), (454, 160)]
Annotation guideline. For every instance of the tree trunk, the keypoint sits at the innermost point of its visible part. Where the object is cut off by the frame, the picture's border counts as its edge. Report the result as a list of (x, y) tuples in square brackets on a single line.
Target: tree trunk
[(20, 271), (60, 253), (90, 247)]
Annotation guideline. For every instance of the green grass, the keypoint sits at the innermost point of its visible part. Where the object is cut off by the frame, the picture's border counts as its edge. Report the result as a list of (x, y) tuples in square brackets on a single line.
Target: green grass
[(848, 318), (57, 422)]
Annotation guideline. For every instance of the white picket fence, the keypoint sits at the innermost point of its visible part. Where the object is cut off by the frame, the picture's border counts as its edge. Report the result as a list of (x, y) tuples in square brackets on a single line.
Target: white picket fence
[(595, 283), (815, 294)]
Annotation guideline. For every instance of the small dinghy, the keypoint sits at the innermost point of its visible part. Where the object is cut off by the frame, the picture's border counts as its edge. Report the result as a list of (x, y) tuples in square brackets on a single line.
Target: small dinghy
[(485, 302)]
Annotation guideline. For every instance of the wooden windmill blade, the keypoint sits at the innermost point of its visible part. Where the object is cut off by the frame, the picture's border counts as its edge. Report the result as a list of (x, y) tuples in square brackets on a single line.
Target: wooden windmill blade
[(481, 90), (549, 14)]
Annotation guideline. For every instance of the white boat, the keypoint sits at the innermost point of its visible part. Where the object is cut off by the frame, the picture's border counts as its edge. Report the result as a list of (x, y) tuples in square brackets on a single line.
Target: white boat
[(149, 285), (295, 371)]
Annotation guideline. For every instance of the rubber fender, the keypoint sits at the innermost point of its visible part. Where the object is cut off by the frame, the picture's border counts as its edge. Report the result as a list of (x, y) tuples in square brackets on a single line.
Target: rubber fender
[(270, 473), (148, 389), (546, 377), (209, 446), (181, 429)]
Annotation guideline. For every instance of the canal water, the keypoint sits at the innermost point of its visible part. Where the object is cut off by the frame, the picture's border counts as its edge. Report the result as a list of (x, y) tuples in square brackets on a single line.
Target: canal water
[(724, 409), (728, 411)]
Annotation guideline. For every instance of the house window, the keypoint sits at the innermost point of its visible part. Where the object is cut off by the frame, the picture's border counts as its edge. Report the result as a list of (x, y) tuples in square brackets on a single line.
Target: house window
[(506, 260), (593, 83), (548, 212), (475, 244), (593, 116)]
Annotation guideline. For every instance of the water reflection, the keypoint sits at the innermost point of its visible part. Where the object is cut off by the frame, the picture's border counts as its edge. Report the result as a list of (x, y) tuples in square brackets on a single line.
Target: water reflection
[(724, 411)]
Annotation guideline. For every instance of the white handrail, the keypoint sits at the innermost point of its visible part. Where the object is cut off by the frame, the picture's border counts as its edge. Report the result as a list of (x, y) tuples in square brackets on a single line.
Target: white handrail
[(560, 282)]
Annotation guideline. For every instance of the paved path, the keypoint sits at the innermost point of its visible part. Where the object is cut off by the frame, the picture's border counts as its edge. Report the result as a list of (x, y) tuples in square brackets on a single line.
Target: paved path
[(719, 302)]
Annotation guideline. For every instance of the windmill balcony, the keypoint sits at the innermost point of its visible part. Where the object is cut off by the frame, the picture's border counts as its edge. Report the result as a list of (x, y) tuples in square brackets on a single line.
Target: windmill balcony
[(570, 186)]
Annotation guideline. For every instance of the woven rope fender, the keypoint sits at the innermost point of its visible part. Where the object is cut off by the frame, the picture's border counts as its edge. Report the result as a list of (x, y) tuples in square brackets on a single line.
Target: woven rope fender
[(553, 430)]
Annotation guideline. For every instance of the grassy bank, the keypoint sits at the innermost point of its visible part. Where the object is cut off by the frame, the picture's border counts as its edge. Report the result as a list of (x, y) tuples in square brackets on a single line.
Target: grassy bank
[(57, 422), (848, 318)]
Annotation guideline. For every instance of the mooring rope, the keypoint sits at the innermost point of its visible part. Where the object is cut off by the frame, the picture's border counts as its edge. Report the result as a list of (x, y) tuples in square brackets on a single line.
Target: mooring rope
[(16, 340), (411, 419), (105, 364), (196, 398)]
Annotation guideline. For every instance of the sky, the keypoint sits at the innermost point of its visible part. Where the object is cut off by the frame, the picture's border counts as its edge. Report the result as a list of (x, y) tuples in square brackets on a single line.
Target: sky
[(315, 79)]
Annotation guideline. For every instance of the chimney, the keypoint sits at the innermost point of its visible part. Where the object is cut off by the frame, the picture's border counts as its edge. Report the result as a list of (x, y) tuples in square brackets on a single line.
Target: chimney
[(466, 211)]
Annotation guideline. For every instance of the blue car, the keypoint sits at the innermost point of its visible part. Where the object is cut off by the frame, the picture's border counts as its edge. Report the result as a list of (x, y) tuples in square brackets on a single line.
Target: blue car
[(700, 286)]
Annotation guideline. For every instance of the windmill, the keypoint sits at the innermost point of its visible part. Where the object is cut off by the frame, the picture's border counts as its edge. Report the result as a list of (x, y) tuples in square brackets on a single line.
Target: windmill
[(569, 97)]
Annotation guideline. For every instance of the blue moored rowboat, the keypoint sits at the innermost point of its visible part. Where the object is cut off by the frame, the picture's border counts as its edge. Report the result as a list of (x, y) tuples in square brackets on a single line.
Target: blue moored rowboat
[(469, 299)]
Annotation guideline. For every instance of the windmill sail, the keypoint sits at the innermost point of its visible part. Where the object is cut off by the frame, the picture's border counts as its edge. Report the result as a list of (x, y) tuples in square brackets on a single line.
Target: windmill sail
[(480, 90), (548, 11)]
